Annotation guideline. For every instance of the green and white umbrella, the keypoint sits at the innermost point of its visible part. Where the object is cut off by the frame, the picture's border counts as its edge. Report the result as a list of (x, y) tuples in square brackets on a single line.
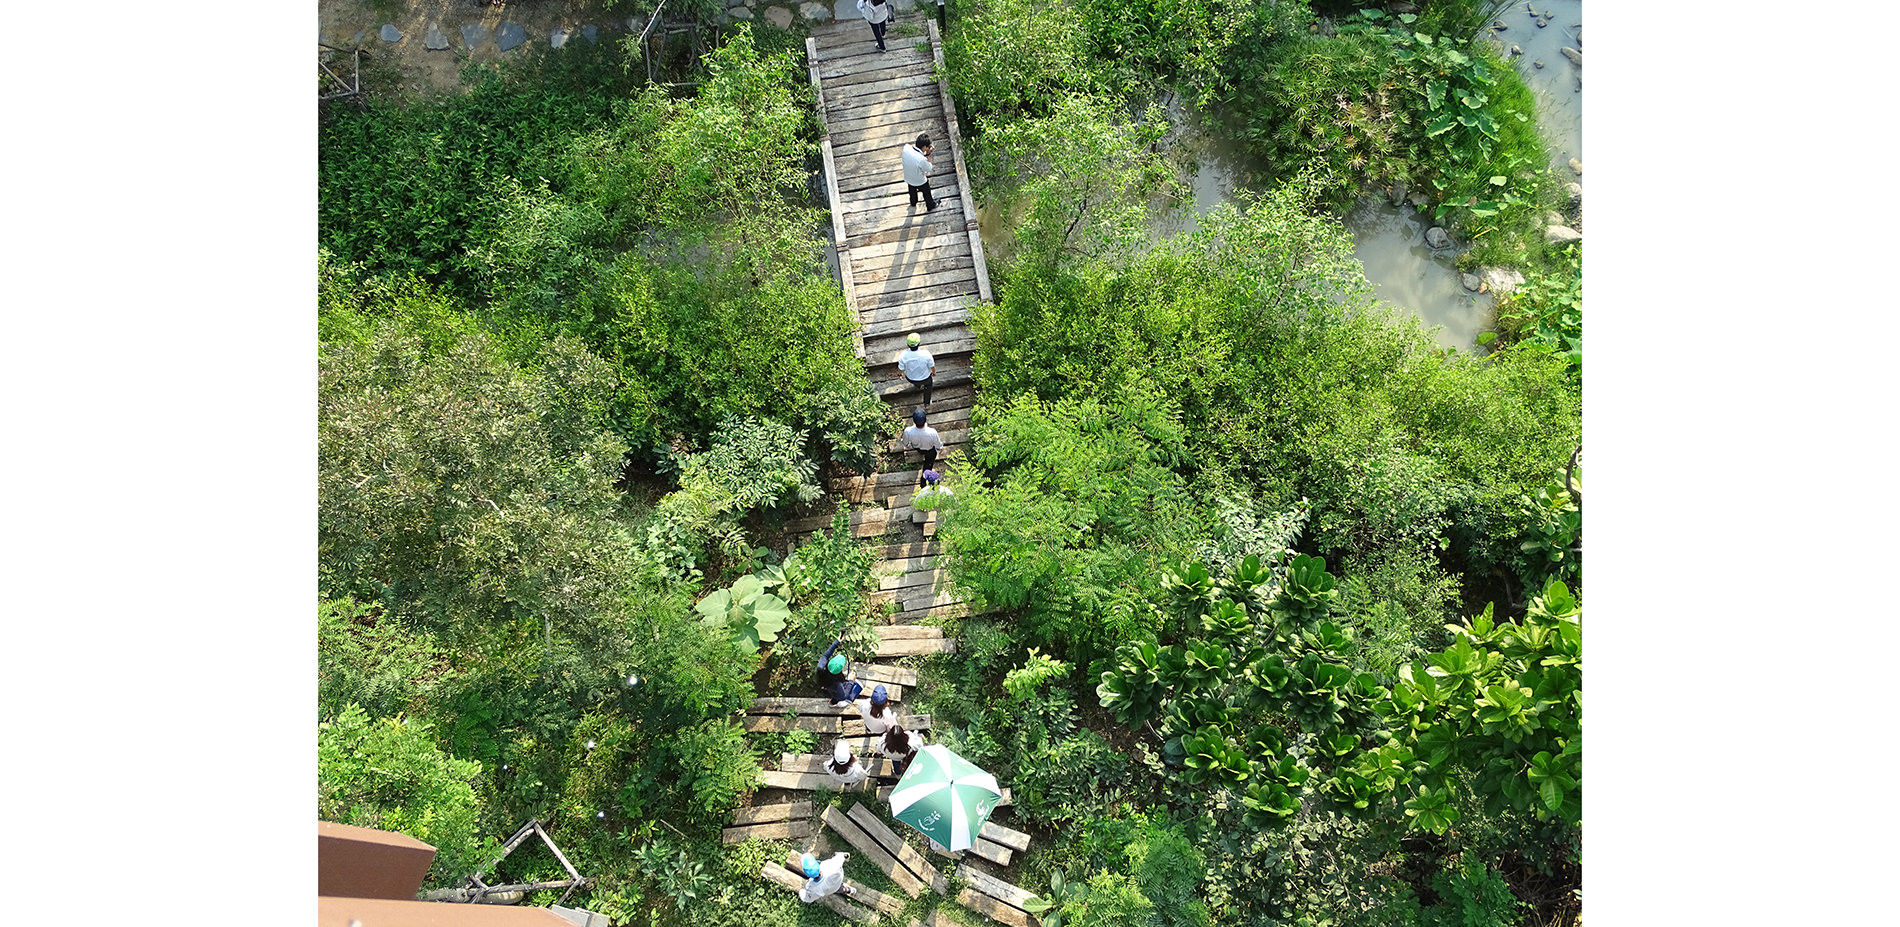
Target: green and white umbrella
[(945, 796)]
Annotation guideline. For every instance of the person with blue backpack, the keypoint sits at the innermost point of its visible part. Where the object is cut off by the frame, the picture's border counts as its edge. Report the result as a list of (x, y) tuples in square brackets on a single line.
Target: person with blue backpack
[(838, 684)]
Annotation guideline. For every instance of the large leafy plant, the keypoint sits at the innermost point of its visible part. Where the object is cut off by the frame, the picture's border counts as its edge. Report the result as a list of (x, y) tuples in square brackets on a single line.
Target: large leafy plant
[(745, 609)]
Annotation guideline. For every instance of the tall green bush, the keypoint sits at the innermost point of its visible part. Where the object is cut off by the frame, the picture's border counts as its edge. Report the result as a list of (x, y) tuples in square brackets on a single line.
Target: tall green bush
[(389, 774)]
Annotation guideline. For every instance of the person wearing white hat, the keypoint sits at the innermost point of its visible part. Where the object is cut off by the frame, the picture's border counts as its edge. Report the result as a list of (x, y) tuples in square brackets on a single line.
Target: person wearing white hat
[(844, 768), (917, 365)]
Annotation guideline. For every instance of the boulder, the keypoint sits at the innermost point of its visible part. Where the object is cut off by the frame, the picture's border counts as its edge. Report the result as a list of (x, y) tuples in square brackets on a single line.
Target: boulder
[(1516, 51), (1472, 282), (1437, 238), (1538, 64), (1561, 235), (473, 35), (434, 40), (1553, 218), (1501, 280), (739, 12), (1398, 194), (1576, 192), (1542, 22), (843, 10), (590, 32), (1419, 200), (1576, 165), (558, 37), (779, 16), (814, 12), (1575, 56), (390, 33)]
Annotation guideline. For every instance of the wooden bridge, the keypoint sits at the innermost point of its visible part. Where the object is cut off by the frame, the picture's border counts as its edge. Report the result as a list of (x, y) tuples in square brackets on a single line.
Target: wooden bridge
[(902, 271)]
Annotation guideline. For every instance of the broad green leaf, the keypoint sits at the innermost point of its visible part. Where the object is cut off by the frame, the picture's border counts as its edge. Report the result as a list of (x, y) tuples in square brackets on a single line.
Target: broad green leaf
[(1435, 93), (1422, 38), (1438, 126), (1499, 180)]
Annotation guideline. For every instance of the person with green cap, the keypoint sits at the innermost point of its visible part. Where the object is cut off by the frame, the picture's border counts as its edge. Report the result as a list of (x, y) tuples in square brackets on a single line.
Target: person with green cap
[(917, 366), (839, 686), (823, 878)]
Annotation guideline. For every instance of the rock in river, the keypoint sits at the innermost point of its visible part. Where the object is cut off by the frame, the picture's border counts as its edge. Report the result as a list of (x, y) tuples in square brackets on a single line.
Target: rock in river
[(1472, 283), (1437, 237), (1575, 56), (1576, 165), (390, 33), (1501, 280)]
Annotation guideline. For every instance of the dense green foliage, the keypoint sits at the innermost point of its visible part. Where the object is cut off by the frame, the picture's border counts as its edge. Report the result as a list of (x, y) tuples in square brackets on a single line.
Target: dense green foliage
[(389, 774)]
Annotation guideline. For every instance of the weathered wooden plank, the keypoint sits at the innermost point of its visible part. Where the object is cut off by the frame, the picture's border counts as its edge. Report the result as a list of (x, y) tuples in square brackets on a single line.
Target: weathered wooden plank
[(1014, 839), (994, 852), (895, 77), (877, 672), (927, 578), (765, 814), (959, 289), (822, 724), (872, 276), (915, 224), (890, 389), (914, 599), (959, 610), (895, 190), (910, 59), (904, 852), (860, 517), (953, 316), (993, 909), (907, 722), (873, 107), (887, 138), (848, 122), (887, 905), (917, 279), (842, 825), (913, 648), (898, 632), (807, 782), (774, 830), (927, 550), (815, 763), (926, 246), (994, 887)]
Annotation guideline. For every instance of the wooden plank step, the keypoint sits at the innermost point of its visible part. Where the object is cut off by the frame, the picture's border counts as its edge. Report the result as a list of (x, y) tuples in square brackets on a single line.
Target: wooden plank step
[(929, 578), (903, 290), (898, 632), (805, 782), (959, 610), (884, 321), (818, 724), (842, 825), (890, 390), (940, 342), (894, 189), (911, 648), (897, 132), (922, 243), (871, 673), (893, 78), (860, 517), (1014, 839), (909, 722), (882, 224), (772, 830), (994, 852), (905, 567), (897, 59), (913, 549), (872, 276), (787, 879), (815, 763), (888, 299), (916, 599), (994, 887), (906, 854), (915, 116), (813, 705), (766, 814), (993, 909)]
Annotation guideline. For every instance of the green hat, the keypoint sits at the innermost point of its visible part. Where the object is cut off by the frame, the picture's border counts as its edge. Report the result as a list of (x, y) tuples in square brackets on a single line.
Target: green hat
[(837, 664), (914, 339)]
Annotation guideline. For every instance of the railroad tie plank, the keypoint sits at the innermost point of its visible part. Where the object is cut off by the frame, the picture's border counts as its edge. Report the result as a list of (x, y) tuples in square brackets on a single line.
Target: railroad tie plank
[(926, 578), (804, 782), (904, 852), (803, 706), (993, 909), (1014, 839), (915, 647), (842, 825), (766, 814), (774, 830), (822, 724), (896, 632), (891, 675), (887, 905), (915, 599), (908, 722), (815, 763), (994, 852), (994, 887)]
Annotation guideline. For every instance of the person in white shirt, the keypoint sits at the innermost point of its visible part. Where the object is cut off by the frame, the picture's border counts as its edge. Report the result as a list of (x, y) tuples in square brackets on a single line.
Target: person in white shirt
[(878, 714), (844, 768), (899, 746), (921, 437), (824, 878), (917, 365), (878, 14), (917, 170)]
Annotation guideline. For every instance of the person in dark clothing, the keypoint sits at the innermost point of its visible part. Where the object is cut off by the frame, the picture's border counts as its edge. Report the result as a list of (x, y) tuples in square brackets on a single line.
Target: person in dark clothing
[(838, 685)]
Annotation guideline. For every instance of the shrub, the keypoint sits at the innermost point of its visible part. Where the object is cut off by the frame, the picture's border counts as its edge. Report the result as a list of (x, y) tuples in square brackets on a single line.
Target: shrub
[(1010, 58), (715, 766), (372, 662), (389, 775)]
